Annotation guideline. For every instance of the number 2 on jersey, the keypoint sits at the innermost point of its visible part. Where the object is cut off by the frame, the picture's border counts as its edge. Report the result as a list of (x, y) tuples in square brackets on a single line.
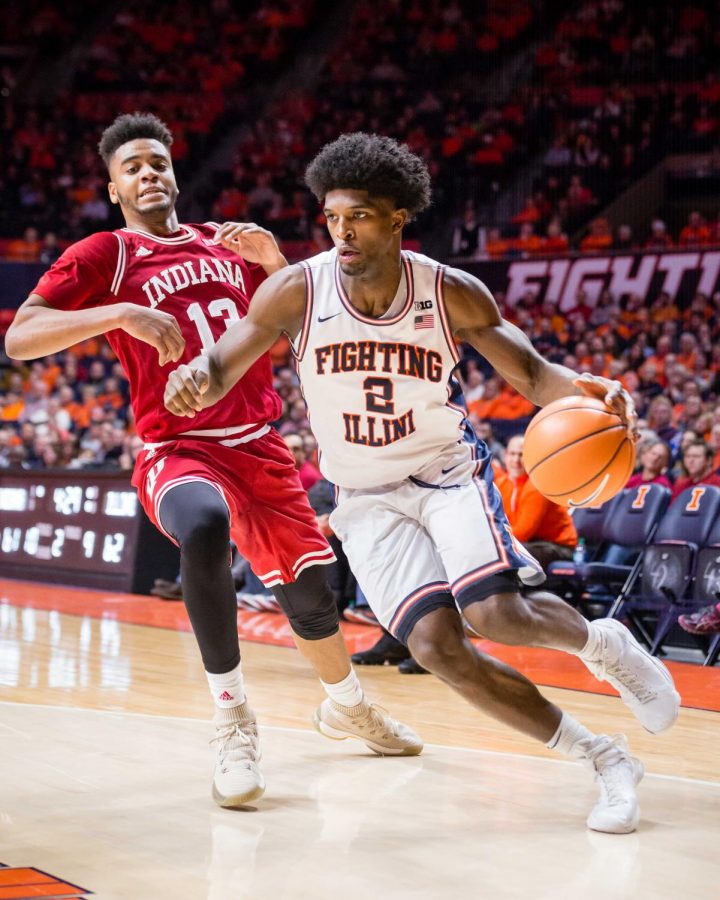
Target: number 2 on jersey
[(379, 396), (223, 307)]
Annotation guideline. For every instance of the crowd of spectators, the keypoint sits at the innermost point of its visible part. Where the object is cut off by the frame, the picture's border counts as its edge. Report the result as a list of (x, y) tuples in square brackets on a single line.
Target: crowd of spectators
[(473, 241), (613, 89), (620, 86), (410, 71), (193, 66)]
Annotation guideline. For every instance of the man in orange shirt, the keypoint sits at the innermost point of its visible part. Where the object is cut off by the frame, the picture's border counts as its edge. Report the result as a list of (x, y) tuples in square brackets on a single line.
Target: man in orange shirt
[(545, 528)]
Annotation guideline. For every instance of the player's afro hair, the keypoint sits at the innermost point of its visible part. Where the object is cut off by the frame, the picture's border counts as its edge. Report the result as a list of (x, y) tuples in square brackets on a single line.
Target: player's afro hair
[(130, 127), (372, 163)]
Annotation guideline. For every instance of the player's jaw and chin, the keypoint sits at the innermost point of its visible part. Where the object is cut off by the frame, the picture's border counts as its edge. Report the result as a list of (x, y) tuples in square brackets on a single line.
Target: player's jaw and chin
[(150, 205), (353, 267)]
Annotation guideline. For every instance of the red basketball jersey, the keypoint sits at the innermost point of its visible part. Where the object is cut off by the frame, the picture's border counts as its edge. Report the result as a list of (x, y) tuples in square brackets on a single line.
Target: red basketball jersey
[(206, 288)]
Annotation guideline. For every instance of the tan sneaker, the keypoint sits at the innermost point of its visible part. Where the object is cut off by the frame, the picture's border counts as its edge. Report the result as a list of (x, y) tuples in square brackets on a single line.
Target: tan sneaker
[(369, 724), (238, 779)]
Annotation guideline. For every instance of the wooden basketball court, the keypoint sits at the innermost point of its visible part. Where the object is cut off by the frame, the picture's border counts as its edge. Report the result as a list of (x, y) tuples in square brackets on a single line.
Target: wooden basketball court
[(106, 768)]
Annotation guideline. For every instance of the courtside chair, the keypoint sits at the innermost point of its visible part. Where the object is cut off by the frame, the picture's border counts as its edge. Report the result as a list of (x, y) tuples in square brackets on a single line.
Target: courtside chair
[(669, 564), (566, 577), (629, 527)]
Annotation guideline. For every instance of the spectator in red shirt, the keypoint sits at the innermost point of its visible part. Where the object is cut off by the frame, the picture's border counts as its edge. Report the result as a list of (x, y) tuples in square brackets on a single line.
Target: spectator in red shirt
[(309, 475), (555, 240), (695, 233), (697, 462), (655, 460)]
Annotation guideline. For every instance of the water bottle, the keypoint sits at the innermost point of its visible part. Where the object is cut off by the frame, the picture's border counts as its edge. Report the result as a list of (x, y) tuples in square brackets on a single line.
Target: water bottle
[(579, 552)]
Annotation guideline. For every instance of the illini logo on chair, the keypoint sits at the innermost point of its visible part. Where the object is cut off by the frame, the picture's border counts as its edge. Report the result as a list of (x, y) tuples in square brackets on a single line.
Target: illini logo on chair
[(640, 497), (693, 504)]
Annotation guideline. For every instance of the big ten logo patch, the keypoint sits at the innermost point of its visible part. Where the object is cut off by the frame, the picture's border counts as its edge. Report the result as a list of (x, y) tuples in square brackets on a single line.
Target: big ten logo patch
[(423, 304)]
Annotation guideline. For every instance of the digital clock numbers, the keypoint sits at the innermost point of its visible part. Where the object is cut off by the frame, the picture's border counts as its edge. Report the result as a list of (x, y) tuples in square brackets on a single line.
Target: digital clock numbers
[(47, 518)]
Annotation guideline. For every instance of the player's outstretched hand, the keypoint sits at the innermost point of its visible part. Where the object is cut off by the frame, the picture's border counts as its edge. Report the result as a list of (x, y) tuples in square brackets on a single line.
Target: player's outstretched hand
[(614, 395), (157, 328), (253, 243), (185, 387)]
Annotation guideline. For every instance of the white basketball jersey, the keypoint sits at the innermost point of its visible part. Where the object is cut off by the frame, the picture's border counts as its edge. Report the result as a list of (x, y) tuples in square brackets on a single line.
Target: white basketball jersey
[(377, 389)]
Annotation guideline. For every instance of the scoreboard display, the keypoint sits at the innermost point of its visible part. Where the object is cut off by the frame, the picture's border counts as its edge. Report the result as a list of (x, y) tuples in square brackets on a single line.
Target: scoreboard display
[(80, 527)]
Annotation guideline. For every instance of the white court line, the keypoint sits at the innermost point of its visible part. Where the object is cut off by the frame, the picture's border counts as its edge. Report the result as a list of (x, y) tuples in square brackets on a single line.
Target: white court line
[(529, 756)]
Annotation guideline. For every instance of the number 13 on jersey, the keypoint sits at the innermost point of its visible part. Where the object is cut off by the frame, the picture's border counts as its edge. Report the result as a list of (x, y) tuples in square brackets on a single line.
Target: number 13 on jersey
[(222, 308)]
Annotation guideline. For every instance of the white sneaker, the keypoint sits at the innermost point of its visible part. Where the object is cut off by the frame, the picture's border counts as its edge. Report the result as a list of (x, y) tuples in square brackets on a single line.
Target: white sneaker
[(369, 724), (617, 811), (643, 682), (238, 779)]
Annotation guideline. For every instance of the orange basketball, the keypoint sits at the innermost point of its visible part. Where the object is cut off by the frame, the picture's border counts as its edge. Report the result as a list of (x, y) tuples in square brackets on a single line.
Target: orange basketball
[(577, 452)]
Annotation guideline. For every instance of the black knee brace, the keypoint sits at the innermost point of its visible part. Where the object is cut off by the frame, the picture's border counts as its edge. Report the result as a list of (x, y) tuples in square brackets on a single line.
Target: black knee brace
[(309, 605)]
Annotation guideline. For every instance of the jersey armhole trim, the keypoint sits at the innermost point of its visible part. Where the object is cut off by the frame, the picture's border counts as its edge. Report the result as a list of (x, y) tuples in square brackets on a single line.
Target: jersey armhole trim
[(440, 298), (121, 265), (302, 339)]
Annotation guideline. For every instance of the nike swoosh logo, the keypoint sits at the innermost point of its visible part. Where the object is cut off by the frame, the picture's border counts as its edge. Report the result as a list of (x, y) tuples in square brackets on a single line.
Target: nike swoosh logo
[(445, 471), (325, 318)]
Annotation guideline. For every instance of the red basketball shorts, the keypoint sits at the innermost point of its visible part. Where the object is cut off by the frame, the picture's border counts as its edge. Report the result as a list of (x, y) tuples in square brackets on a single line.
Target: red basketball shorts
[(271, 520)]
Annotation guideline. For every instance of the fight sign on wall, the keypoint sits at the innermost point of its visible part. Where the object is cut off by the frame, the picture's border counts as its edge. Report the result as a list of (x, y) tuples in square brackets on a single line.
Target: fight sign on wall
[(648, 274)]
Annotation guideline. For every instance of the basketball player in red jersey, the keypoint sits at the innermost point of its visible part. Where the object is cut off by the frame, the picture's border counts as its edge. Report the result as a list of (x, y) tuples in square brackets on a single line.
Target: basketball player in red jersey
[(163, 293)]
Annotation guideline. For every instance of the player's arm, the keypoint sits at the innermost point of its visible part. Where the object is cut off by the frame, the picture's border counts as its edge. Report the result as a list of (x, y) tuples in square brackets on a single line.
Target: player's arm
[(38, 329), (278, 306), (475, 318)]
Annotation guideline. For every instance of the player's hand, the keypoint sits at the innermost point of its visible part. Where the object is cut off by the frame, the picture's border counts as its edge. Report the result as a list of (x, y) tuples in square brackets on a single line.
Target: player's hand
[(185, 387), (614, 395), (253, 243), (157, 328)]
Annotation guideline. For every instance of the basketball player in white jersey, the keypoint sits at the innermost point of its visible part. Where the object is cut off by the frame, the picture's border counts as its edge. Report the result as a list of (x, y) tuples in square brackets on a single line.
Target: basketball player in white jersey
[(374, 331)]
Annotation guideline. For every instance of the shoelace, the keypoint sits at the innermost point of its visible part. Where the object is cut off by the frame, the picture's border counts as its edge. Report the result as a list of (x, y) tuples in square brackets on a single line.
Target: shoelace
[(378, 720), (630, 681), (236, 746), (612, 779)]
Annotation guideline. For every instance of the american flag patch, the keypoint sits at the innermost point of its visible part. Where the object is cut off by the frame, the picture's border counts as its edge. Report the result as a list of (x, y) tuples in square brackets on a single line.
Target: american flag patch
[(426, 321)]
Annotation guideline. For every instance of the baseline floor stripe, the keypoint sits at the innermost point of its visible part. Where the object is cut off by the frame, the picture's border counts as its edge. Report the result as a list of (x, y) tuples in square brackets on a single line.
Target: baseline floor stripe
[(699, 686)]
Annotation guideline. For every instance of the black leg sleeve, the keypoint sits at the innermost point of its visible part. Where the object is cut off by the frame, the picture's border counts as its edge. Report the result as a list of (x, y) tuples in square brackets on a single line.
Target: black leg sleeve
[(197, 517)]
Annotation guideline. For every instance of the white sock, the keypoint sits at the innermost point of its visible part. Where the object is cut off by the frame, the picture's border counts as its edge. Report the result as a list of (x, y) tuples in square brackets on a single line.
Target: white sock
[(227, 689), (347, 693), (571, 738), (593, 646)]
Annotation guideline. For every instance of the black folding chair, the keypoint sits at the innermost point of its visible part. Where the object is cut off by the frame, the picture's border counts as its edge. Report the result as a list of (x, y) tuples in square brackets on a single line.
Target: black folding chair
[(668, 565), (629, 526), (565, 576)]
